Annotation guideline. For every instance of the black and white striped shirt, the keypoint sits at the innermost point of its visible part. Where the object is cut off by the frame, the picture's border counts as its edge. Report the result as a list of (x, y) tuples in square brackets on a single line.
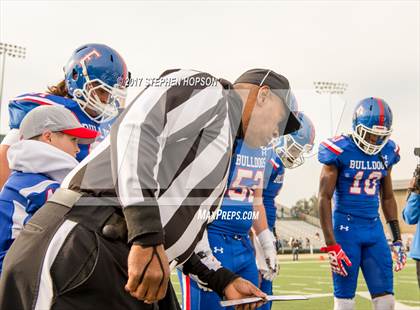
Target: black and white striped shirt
[(166, 158)]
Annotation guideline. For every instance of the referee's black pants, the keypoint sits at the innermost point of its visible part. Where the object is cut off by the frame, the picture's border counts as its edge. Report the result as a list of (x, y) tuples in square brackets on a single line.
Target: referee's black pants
[(61, 260)]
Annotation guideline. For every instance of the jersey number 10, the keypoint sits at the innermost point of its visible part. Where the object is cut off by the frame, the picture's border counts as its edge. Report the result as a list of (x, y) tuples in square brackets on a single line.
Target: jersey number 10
[(369, 184)]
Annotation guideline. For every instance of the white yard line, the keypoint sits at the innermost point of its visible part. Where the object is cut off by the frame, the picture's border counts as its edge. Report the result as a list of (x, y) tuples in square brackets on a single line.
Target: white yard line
[(405, 281), (410, 301), (278, 292), (366, 295), (304, 277), (321, 282), (317, 295), (312, 289), (320, 295), (302, 262), (405, 277), (398, 305)]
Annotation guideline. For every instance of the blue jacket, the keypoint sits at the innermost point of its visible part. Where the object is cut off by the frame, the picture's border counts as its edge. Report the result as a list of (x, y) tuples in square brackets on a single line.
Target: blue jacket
[(411, 215), (37, 171)]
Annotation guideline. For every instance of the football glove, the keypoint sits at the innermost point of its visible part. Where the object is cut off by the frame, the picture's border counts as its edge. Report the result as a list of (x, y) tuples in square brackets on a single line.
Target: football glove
[(266, 242), (336, 256), (399, 256)]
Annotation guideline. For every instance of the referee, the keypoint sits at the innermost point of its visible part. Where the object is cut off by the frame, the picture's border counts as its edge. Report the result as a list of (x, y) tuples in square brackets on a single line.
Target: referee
[(129, 212)]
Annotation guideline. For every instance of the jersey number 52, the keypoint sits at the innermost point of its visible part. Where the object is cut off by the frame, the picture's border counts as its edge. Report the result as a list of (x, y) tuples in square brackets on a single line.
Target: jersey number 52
[(244, 184)]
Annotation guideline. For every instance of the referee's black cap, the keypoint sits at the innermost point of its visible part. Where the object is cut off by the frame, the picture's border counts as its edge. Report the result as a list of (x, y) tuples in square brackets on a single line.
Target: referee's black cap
[(280, 86)]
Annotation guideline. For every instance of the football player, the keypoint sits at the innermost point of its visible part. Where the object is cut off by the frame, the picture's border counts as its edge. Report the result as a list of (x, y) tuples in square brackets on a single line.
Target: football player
[(228, 234), (227, 242), (93, 88), (289, 151), (242, 208), (357, 171)]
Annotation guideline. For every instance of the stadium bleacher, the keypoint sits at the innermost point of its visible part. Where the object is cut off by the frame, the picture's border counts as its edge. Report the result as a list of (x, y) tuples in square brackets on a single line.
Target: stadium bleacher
[(298, 229)]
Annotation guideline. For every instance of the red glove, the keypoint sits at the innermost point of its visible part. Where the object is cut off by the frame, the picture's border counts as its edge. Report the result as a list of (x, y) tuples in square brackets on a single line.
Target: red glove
[(336, 256)]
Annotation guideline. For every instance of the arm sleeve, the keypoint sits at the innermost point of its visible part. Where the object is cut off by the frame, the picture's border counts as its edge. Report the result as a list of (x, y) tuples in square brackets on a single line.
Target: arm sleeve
[(137, 142), (411, 212)]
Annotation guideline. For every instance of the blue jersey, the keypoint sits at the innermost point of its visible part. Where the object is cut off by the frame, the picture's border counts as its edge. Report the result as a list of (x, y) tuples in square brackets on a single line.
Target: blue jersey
[(273, 182), (22, 195), (359, 174), (245, 175), (20, 106)]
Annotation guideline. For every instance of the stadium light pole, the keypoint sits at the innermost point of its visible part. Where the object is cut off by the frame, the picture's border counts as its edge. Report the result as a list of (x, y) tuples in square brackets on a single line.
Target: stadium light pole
[(10, 50), (330, 88)]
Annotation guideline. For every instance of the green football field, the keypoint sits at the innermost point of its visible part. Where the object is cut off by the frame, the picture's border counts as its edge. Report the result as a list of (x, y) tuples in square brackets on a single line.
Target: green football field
[(313, 279)]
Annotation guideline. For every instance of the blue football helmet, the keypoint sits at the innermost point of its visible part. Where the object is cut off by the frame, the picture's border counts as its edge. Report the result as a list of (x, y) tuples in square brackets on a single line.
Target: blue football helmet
[(291, 148), (95, 77), (372, 125)]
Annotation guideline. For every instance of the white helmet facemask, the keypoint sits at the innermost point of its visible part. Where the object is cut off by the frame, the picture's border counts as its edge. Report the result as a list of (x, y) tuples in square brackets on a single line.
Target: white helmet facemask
[(360, 137), (291, 152), (99, 97)]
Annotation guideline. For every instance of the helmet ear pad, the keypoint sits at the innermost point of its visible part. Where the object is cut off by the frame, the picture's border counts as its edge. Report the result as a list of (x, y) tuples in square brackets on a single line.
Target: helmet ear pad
[(75, 75)]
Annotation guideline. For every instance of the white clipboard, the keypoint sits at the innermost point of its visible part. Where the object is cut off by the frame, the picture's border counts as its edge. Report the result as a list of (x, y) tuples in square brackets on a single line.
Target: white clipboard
[(235, 302)]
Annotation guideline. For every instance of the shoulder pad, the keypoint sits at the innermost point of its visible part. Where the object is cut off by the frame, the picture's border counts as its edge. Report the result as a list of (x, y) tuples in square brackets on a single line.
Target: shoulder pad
[(392, 152), (44, 98), (331, 149), (21, 105)]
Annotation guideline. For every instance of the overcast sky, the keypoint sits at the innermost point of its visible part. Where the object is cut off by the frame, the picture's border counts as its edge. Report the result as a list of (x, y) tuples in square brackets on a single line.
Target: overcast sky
[(371, 45)]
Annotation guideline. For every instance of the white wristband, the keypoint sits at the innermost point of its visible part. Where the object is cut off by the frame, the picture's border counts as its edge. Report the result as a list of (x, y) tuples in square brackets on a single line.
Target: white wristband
[(266, 238)]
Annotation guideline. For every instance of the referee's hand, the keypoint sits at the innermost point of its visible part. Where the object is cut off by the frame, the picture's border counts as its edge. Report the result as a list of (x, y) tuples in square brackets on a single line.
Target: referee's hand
[(148, 273), (241, 288)]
